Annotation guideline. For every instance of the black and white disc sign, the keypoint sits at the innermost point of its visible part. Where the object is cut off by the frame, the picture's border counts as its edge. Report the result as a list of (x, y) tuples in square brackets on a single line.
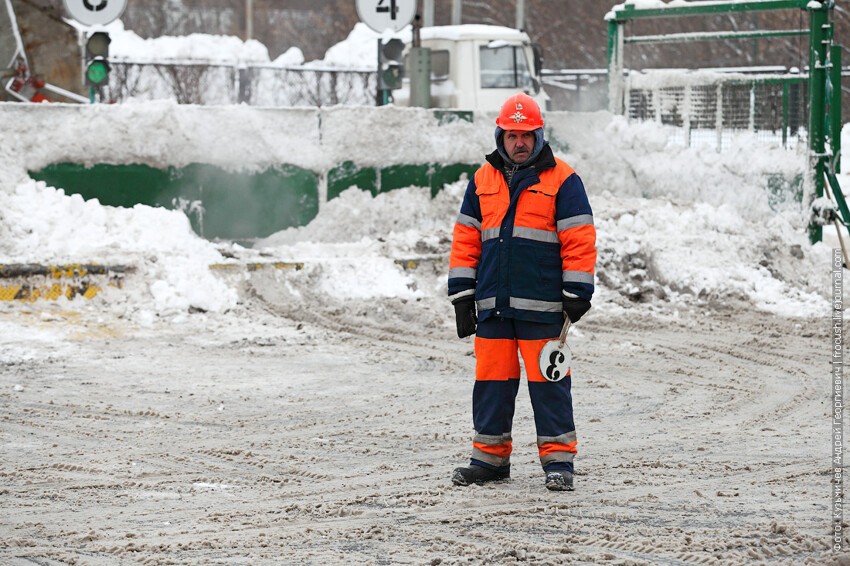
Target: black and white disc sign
[(555, 357), (555, 360), (381, 15), (95, 12)]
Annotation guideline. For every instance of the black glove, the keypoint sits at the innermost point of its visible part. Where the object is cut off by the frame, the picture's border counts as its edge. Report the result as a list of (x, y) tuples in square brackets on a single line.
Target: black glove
[(575, 307), (465, 316)]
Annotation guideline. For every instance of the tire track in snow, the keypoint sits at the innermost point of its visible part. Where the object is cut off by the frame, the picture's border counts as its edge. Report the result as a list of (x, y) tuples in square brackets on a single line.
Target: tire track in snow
[(247, 452)]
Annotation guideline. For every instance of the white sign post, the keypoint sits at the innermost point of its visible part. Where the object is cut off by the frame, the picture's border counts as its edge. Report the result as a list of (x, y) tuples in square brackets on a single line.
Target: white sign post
[(95, 12), (381, 15)]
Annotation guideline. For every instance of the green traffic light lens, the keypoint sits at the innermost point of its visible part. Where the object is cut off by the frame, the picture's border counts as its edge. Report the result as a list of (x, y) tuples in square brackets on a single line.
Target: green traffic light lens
[(391, 77), (97, 73)]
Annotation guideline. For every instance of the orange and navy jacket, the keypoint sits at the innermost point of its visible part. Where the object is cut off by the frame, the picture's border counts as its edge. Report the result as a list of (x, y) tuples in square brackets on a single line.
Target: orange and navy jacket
[(520, 249)]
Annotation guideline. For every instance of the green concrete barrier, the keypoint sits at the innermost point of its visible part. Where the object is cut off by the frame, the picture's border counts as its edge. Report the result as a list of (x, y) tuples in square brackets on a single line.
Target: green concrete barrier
[(238, 206), (400, 176), (347, 175), (434, 175), (449, 173), (219, 203)]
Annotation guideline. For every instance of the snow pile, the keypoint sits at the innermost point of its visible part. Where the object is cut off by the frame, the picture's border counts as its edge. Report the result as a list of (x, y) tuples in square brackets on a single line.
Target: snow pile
[(650, 250), (350, 248), (126, 45), (163, 133), (341, 272), (645, 160), (289, 58), (407, 214), (158, 133), (160, 242), (359, 50), (697, 253)]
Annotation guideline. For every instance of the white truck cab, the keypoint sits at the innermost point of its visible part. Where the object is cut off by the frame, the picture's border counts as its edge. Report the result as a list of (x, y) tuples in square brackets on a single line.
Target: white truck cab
[(477, 67)]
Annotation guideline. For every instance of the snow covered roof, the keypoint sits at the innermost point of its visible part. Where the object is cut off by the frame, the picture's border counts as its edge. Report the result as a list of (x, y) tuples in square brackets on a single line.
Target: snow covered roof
[(473, 31)]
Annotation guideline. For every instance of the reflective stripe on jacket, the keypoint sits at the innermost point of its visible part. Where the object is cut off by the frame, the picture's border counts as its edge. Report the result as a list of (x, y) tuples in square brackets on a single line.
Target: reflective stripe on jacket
[(519, 249)]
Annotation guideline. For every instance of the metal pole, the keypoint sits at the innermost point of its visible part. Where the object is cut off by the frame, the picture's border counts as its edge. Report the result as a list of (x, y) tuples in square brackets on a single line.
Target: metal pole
[(688, 102), (835, 106), (420, 70), (19, 42), (249, 19), (520, 14), (818, 21), (457, 6), (427, 13), (785, 114), (718, 117), (420, 77), (615, 66), (417, 38), (751, 124)]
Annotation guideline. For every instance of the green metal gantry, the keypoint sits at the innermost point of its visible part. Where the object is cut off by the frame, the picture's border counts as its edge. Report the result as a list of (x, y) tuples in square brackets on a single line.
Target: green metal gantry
[(824, 118)]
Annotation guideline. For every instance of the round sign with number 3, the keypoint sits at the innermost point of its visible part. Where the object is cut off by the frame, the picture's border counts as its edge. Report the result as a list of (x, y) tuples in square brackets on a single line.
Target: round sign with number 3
[(555, 357)]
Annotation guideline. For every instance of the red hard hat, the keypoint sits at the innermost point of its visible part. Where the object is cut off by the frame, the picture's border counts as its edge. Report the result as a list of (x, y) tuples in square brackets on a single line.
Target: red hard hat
[(520, 112)]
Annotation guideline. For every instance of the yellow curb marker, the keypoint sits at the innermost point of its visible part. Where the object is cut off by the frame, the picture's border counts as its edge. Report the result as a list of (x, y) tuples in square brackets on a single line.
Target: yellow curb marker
[(24, 281), (31, 293), (8, 293)]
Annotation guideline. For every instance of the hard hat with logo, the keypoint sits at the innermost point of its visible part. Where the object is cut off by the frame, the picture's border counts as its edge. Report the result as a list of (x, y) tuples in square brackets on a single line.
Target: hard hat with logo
[(520, 112)]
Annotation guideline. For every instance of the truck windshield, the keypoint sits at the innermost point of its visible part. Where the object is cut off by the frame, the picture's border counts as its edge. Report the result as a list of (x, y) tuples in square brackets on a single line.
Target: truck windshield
[(504, 67)]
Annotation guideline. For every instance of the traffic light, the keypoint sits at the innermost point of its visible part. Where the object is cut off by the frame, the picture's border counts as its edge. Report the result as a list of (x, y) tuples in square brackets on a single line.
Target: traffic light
[(97, 59), (390, 69)]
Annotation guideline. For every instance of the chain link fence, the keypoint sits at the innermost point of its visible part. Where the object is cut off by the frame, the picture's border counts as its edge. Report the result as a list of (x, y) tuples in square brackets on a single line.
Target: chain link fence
[(713, 109), (256, 85)]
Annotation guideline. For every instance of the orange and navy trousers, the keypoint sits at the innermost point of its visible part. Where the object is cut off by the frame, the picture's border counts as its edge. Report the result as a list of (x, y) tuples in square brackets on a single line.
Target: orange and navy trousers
[(498, 344)]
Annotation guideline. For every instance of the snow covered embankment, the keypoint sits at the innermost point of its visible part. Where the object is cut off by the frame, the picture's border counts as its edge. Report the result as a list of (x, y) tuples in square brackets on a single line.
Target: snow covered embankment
[(675, 224)]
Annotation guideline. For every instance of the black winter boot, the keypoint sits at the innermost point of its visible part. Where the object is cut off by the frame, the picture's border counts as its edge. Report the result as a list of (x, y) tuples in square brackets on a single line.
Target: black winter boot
[(477, 474), (559, 481)]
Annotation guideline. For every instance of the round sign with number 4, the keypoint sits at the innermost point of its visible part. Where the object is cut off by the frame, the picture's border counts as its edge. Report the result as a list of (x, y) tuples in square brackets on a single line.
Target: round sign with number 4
[(95, 12), (381, 15), (555, 357)]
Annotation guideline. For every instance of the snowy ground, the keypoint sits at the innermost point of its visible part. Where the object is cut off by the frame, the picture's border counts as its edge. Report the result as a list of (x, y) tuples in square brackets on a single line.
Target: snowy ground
[(314, 416), (281, 435)]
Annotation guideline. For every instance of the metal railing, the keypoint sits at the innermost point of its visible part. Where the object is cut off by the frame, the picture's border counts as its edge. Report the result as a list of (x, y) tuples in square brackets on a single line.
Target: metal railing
[(257, 85)]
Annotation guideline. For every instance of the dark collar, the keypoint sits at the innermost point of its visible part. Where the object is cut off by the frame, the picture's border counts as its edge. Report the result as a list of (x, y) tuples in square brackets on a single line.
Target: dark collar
[(545, 160)]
